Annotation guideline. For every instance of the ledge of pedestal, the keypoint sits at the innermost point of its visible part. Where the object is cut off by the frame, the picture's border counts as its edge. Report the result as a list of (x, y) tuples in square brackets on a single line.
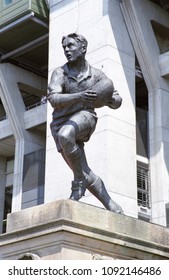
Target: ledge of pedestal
[(67, 229)]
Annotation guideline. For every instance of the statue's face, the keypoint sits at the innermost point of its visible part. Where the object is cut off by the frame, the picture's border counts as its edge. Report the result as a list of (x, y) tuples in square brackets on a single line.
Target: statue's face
[(73, 50)]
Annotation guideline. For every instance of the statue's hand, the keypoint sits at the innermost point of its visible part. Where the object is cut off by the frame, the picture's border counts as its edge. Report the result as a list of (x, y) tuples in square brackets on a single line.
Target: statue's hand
[(115, 102), (89, 95)]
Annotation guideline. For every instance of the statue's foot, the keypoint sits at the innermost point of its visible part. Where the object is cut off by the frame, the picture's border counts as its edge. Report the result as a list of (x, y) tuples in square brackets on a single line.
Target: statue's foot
[(78, 189), (97, 188), (114, 207)]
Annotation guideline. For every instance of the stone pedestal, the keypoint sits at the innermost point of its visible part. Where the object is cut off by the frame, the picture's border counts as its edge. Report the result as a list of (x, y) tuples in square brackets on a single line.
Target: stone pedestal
[(66, 229)]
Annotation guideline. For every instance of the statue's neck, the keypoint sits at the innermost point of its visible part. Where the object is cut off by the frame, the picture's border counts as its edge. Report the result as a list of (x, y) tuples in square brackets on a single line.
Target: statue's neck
[(77, 68)]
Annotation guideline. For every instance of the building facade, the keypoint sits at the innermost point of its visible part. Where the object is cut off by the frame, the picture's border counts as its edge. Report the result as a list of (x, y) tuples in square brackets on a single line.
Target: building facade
[(129, 41)]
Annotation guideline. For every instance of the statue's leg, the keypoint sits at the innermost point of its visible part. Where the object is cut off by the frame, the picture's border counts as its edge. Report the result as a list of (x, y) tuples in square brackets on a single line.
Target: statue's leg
[(78, 187), (99, 191), (77, 127), (97, 187)]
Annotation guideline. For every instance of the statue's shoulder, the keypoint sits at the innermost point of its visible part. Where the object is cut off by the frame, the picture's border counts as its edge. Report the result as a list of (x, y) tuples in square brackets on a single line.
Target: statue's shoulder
[(58, 71), (97, 72), (58, 77)]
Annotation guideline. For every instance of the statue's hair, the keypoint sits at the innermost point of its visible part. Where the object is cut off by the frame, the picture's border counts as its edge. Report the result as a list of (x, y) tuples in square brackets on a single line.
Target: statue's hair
[(77, 37)]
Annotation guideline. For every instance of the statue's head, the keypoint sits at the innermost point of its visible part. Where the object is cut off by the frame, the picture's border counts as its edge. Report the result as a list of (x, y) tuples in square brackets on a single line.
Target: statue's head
[(75, 46)]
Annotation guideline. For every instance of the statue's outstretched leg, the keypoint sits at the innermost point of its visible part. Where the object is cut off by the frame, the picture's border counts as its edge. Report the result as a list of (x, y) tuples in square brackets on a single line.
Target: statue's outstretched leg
[(92, 182), (72, 151), (99, 191), (97, 187)]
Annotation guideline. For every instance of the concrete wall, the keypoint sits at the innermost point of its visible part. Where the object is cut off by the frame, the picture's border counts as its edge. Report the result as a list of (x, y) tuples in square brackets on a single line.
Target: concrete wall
[(148, 54)]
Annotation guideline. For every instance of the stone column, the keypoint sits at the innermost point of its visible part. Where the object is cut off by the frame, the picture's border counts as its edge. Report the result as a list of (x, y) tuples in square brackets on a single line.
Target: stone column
[(2, 189), (111, 152), (159, 154)]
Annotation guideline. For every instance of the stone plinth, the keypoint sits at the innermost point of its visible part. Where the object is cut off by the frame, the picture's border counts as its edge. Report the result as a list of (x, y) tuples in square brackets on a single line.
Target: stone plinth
[(67, 229)]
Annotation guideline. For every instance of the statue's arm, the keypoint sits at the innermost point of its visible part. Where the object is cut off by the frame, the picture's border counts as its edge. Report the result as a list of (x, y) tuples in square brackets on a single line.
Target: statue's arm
[(106, 93), (116, 101), (104, 88), (58, 98), (101, 93)]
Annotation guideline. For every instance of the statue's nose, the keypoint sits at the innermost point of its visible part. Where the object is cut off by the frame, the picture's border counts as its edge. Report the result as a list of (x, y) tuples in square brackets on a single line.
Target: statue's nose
[(66, 49)]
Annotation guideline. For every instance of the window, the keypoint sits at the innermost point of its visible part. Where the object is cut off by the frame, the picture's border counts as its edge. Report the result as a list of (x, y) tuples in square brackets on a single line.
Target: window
[(31, 96), (8, 190), (162, 36), (7, 206), (143, 187), (142, 132), (167, 214), (33, 179), (162, 3), (2, 112), (7, 2), (142, 140)]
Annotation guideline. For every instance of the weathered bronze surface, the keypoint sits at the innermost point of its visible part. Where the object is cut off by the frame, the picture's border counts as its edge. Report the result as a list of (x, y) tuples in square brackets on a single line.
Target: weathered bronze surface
[(75, 90)]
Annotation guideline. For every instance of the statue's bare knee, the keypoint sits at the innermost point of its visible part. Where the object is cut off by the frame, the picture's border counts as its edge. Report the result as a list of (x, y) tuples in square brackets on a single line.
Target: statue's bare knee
[(66, 141)]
